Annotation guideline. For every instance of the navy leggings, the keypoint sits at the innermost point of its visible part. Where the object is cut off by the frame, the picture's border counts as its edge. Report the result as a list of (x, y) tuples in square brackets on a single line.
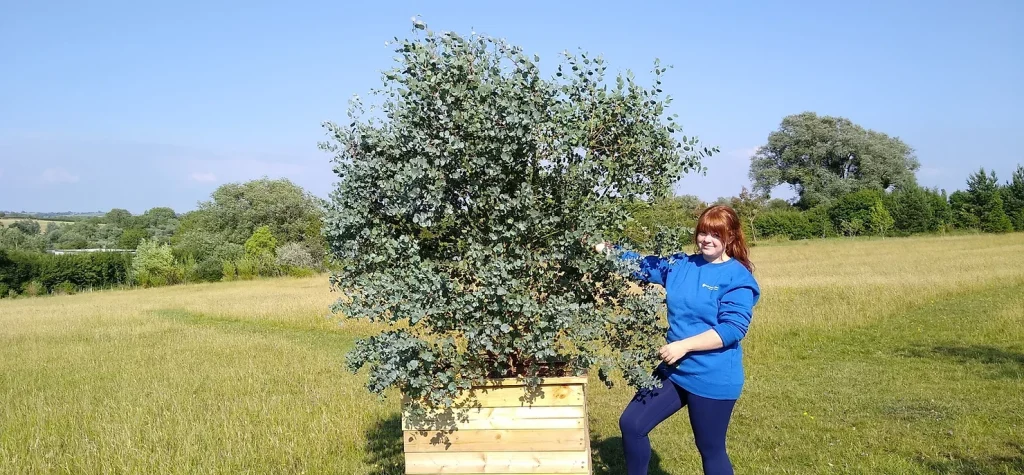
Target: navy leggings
[(709, 419)]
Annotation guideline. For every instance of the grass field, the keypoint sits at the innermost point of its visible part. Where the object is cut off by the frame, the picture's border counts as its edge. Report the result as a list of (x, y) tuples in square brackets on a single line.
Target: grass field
[(865, 356)]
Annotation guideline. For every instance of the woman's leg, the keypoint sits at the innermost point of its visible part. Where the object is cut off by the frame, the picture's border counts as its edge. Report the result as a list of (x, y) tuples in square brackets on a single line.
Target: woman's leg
[(710, 421), (645, 411)]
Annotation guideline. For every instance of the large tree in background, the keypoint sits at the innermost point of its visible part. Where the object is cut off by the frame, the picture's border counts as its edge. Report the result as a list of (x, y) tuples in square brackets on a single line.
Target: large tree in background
[(218, 229), (160, 223), (119, 217), (825, 157), (236, 210)]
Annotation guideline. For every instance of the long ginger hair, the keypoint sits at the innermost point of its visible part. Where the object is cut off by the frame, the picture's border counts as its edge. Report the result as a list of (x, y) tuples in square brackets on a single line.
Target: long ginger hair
[(723, 221)]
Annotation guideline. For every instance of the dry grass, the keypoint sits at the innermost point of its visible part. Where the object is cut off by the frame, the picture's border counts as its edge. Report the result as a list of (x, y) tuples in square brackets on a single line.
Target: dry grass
[(225, 377), (865, 356)]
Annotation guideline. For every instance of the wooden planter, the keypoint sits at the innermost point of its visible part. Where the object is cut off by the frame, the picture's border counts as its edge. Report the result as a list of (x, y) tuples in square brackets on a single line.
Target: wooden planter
[(548, 435)]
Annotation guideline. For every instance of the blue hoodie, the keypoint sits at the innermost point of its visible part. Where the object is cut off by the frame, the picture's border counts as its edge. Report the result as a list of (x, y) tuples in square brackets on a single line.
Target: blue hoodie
[(700, 296)]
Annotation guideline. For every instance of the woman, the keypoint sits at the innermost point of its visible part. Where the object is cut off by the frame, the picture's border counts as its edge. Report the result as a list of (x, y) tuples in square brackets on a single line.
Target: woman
[(710, 297)]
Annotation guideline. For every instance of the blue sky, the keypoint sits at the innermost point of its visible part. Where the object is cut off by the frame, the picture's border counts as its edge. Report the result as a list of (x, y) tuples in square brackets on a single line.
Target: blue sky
[(143, 104)]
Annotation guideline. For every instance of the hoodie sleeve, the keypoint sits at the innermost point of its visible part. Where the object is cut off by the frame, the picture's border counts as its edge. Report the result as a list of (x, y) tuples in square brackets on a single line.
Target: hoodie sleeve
[(736, 309)]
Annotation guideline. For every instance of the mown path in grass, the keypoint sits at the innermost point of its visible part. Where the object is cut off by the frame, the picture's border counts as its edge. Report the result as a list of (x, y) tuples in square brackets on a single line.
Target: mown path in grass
[(866, 356)]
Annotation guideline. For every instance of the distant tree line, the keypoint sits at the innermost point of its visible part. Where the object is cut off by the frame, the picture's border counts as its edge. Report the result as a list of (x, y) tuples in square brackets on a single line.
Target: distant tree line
[(262, 227), (35, 273), (117, 229), (849, 182)]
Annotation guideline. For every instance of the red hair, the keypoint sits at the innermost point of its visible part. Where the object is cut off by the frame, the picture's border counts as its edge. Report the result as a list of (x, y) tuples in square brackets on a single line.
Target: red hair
[(723, 221)]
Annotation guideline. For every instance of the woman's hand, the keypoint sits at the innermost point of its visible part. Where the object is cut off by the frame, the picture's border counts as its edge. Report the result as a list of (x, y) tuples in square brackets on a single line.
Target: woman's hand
[(673, 352)]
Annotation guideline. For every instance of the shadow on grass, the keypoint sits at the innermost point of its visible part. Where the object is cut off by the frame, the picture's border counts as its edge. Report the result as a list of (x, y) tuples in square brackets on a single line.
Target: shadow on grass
[(988, 465), (609, 458), (1004, 363), (384, 447)]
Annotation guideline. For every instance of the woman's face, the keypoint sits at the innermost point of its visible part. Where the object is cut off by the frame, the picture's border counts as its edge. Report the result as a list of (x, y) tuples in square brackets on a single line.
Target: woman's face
[(711, 245)]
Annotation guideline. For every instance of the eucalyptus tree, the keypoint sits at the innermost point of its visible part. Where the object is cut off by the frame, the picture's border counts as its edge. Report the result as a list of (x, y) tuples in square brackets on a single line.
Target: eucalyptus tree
[(471, 194)]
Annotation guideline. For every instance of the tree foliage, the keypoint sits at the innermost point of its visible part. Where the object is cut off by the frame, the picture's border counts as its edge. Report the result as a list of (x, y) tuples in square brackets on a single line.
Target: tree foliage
[(27, 226), (911, 210), (294, 254), (119, 217), (16, 239), (153, 264), (942, 214), (981, 205), (879, 218), (79, 271), (824, 157), (467, 209), (671, 217), (1013, 198), (748, 204), (851, 213), (236, 210), (994, 218), (261, 243), (131, 237), (962, 210), (982, 187), (788, 223), (160, 223)]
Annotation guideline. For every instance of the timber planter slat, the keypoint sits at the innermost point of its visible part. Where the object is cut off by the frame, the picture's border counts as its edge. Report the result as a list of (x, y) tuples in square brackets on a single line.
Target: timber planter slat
[(519, 440), (548, 434)]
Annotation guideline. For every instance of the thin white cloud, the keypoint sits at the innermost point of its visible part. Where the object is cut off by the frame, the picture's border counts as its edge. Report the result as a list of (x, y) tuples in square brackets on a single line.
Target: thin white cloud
[(738, 155), (203, 177), (235, 169), (58, 175)]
